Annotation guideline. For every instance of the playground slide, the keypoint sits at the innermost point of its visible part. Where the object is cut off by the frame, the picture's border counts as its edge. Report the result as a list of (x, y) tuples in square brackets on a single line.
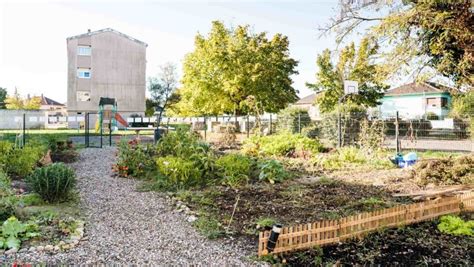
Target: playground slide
[(121, 120)]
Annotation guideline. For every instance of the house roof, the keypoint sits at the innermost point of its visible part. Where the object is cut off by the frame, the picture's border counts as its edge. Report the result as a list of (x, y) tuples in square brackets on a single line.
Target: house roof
[(107, 30), (306, 100), (49, 101), (418, 88)]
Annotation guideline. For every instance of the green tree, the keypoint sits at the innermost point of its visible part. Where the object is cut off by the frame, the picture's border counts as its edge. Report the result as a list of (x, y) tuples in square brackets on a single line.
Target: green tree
[(352, 65), (419, 36), (3, 97), (237, 71), (462, 105), (17, 102)]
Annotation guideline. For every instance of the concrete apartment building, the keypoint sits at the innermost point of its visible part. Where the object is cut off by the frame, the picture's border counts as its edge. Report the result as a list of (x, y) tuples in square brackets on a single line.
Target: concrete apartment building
[(106, 63)]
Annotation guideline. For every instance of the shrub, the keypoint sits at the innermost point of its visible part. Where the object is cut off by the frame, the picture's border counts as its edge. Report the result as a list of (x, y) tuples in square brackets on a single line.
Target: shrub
[(180, 143), (177, 173), (448, 171), (285, 144), (454, 225), (19, 162), (135, 160), (53, 183), (431, 116), (235, 169), (5, 184), (272, 171), (293, 120)]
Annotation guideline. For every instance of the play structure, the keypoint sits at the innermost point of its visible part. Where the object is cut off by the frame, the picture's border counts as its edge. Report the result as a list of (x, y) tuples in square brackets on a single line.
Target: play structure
[(106, 120)]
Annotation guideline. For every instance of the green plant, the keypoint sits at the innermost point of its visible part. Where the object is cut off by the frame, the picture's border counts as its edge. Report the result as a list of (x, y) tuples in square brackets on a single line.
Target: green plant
[(180, 144), (5, 184), (209, 227), (19, 162), (235, 169), (454, 225), (14, 231), (53, 183), (68, 226), (266, 222), (135, 160), (177, 173), (272, 171), (292, 120), (284, 144)]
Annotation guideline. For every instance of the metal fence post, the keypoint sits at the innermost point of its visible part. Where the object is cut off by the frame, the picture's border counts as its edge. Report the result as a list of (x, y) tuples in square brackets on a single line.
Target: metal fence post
[(24, 130), (205, 128), (271, 124), (397, 142), (299, 122), (248, 126)]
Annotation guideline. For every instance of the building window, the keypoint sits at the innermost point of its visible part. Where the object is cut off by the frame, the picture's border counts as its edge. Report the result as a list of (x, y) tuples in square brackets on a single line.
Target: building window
[(444, 102), (84, 73), (84, 50), (432, 102)]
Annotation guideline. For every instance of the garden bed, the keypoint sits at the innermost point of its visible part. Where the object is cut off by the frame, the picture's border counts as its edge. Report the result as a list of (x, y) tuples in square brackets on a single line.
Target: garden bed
[(288, 203), (419, 244)]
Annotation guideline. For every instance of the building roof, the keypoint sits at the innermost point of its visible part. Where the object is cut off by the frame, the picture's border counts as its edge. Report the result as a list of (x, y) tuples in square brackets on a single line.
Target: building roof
[(307, 100), (49, 101), (89, 33), (418, 88)]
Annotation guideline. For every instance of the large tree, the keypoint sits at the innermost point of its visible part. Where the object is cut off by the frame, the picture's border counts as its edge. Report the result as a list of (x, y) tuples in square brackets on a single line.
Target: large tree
[(237, 71), (352, 65), (418, 35), (3, 97)]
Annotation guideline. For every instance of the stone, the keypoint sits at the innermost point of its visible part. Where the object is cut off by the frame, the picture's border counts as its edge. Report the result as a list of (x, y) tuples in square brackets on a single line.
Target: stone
[(2, 251), (39, 248), (192, 218), (67, 246), (11, 251), (61, 243), (75, 237), (49, 248), (56, 248), (32, 249), (23, 250)]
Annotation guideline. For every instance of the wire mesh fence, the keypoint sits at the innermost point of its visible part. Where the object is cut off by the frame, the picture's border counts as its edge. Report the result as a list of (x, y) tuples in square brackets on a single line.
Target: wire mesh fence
[(446, 134)]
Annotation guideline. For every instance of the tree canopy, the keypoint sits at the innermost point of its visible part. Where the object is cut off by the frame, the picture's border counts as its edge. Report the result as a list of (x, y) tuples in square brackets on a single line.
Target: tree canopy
[(237, 71), (17, 102), (419, 36), (352, 65)]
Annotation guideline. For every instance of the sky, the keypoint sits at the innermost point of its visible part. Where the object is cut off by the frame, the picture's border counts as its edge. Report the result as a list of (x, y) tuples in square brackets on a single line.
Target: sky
[(33, 34)]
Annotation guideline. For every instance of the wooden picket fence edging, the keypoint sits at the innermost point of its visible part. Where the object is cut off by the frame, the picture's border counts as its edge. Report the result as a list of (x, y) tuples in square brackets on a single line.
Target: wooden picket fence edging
[(327, 232)]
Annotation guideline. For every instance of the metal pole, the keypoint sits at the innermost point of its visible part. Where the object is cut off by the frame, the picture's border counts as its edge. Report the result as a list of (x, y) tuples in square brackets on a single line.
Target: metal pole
[(86, 129), (339, 121), (205, 128), (248, 126), (396, 134), (299, 122), (24, 130), (270, 124), (101, 133), (110, 134)]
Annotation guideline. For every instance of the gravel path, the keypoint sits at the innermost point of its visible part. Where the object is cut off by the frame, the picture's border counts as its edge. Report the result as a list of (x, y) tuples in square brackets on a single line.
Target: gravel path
[(129, 227)]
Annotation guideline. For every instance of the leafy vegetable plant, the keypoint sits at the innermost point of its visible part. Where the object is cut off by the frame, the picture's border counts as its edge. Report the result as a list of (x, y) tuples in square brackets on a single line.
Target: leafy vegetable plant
[(454, 225), (14, 231), (272, 171)]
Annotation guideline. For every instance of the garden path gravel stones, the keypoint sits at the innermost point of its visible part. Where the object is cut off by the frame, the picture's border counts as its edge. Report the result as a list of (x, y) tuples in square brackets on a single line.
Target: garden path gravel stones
[(124, 226)]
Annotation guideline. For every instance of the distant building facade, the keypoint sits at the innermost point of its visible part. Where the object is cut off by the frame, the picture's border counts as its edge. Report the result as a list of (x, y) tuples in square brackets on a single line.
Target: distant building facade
[(106, 63), (416, 101)]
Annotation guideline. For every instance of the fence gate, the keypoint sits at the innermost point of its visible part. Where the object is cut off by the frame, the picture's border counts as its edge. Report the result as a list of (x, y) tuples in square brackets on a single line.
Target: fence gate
[(94, 137)]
